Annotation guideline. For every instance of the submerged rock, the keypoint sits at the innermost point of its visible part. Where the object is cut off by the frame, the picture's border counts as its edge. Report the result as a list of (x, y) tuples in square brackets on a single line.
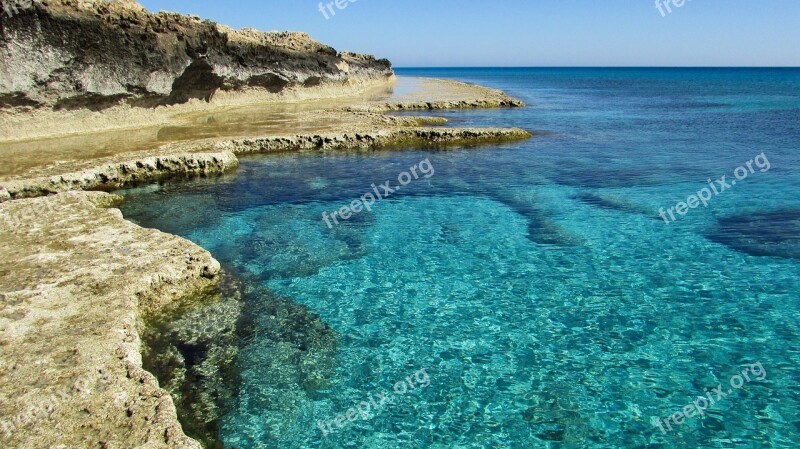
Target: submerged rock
[(75, 281), (610, 202), (203, 350), (775, 234), (192, 352), (543, 228), (69, 54)]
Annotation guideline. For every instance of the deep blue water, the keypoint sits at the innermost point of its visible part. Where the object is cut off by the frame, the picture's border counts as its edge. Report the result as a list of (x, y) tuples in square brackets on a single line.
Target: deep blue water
[(534, 282)]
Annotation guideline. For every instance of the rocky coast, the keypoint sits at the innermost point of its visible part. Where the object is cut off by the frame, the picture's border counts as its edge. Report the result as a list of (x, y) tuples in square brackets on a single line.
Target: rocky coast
[(116, 336)]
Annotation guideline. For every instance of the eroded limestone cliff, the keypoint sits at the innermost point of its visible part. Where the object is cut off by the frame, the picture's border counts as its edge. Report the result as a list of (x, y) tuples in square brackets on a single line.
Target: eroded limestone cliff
[(95, 54)]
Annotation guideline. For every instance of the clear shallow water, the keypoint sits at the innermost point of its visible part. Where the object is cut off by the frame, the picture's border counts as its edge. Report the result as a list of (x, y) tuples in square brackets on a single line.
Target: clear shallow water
[(534, 282)]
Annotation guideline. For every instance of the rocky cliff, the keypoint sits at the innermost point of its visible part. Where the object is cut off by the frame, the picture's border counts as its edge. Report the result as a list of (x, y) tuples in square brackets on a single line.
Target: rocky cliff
[(95, 54)]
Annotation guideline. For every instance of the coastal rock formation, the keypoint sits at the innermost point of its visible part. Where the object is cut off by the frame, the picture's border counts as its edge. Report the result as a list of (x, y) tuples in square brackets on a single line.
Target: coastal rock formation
[(95, 54), (116, 175), (449, 94), (501, 102), (367, 141), (77, 281), (192, 352), (115, 336)]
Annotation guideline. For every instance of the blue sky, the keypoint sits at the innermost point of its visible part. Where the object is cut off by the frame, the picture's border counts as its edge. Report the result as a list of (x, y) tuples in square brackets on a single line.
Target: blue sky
[(444, 33)]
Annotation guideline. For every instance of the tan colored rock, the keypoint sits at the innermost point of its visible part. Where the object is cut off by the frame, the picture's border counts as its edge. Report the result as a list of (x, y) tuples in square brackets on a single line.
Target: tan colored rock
[(116, 175), (370, 141), (95, 55), (76, 279), (436, 94), (151, 168)]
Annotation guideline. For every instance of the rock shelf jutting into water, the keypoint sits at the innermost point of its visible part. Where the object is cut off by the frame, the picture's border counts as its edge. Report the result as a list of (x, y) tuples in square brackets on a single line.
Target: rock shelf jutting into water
[(118, 175), (77, 281), (99, 95), (153, 168), (377, 140)]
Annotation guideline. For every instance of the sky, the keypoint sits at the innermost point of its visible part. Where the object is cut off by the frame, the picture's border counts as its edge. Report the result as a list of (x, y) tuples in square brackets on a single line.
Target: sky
[(530, 33)]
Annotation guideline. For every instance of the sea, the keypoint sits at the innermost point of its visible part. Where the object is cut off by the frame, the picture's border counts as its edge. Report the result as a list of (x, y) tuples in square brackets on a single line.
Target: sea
[(629, 277)]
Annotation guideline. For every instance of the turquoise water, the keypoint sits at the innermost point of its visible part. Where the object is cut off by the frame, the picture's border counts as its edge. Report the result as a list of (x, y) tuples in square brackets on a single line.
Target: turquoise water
[(534, 283)]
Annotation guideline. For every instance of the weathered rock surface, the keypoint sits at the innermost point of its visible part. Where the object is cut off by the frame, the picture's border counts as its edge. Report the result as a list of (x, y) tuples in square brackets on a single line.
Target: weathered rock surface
[(95, 54), (387, 138), (76, 280), (507, 102), (223, 156), (435, 94), (116, 175)]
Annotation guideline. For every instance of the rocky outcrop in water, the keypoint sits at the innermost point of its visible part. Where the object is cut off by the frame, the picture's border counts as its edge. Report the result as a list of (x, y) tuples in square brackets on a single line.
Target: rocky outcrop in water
[(77, 281), (114, 175), (500, 100), (74, 54), (370, 141), (194, 351), (117, 175)]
